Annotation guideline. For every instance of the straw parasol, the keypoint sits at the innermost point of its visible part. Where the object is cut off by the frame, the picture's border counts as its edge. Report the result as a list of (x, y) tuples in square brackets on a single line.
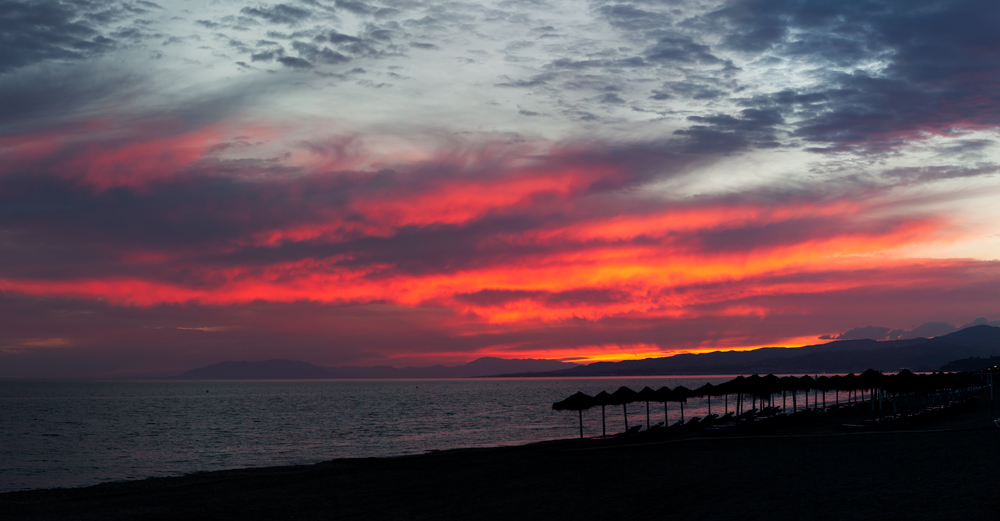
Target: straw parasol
[(603, 399), (624, 396), (647, 395), (665, 395), (578, 402), (681, 395)]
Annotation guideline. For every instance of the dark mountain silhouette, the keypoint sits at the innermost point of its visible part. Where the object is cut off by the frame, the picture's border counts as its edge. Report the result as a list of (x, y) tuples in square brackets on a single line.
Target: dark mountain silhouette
[(296, 370), (971, 364), (841, 356)]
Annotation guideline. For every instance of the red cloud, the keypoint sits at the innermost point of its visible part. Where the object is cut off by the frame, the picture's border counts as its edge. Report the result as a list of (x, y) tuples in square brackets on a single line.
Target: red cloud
[(517, 239)]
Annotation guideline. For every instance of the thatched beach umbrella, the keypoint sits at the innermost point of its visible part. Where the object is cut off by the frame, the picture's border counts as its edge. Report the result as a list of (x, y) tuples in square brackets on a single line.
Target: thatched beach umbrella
[(603, 398), (665, 395), (680, 395), (726, 388), (872, 380), (772, 384), (647, 395), (624, 396), (707, 391), (789, 383), (807, 383), (578, 402)]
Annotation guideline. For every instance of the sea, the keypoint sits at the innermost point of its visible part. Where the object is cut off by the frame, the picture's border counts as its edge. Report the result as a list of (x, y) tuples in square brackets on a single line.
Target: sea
[(61, 433)]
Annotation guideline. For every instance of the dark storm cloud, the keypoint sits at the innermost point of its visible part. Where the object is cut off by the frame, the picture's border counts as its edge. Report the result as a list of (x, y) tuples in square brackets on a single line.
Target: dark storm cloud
[(941, 68), (723, 134), (34, 32)]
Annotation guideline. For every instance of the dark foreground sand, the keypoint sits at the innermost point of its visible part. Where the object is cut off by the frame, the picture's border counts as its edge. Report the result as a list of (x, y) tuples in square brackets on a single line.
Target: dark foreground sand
[(946, 470)]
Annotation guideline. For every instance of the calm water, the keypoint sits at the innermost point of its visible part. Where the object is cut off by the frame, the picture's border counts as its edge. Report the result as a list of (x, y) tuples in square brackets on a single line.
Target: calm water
[(78, 433)]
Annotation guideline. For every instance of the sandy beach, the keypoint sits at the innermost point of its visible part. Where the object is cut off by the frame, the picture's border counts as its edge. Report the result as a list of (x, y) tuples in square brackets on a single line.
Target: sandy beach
[(946, 469)]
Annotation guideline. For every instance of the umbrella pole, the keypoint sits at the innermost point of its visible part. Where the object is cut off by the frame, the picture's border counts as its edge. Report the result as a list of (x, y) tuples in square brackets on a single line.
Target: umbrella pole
[(581, 423), (709, 404), (647, 415), (625, 412), (604, 427), (682, 412), (783, 404), (727, 403)]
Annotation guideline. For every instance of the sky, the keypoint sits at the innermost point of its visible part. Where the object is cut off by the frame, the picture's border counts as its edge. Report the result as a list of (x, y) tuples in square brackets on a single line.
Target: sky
[(414, 182)]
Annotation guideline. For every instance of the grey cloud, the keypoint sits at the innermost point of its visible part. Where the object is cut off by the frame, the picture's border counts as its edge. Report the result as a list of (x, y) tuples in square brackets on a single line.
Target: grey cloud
[(536, 81), (567, 63), (677, 49), (279, 14), (356, 7), (923, 174), (263, 56), (982, 321), (387, 12), (295, 63), (689, 89), (315, 54), (925, 330), (610, 98), (725, 134), (632, 19), (47, 96), (336, 37)]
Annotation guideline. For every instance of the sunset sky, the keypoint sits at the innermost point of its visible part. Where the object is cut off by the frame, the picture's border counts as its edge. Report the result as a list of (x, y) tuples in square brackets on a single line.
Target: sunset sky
[(413, 182)]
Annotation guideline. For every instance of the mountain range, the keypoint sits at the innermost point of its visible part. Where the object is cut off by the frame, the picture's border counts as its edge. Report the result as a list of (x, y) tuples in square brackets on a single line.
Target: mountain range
[(840, 356)]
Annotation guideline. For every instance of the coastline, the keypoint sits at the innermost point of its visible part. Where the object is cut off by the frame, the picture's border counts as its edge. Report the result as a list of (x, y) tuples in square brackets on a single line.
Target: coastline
[(941, 469)]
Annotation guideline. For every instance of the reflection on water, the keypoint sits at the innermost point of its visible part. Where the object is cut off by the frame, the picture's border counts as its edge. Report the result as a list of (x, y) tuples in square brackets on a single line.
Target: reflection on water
[(75, 433)]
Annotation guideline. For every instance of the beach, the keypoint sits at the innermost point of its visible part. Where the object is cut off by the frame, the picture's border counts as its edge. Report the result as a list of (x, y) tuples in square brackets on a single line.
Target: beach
[(943, 469)]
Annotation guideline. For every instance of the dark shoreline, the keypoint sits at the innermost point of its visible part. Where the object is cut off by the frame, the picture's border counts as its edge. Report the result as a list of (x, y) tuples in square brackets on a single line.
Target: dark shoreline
[(942, 470)]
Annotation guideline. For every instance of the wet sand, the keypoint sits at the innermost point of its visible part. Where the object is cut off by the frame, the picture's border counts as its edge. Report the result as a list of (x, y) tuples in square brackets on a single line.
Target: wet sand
[(943, 470)]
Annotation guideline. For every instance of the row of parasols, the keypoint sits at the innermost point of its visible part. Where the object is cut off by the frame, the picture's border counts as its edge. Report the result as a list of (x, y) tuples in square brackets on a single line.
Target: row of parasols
[(766, 388)]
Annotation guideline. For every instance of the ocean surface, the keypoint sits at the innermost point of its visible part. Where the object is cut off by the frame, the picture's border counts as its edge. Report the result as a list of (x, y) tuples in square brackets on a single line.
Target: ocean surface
[(57, 433)]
